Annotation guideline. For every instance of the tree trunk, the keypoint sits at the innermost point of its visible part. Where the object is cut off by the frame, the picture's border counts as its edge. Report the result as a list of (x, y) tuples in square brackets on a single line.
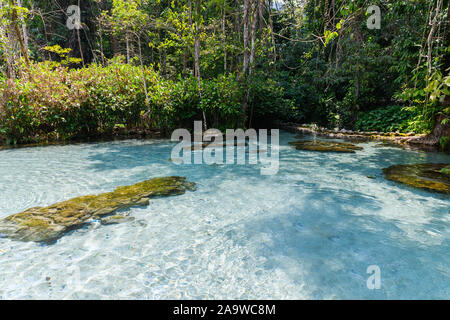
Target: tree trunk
[(446, 65), (127, 42), (253, 36), (115, 45), (101, 45), (5, 35), (247, 6), (256, 11), (272, 37), (447, 41), (79, 41), (15, 26), (80, 47), (160, 52), (433, 139), (197, 51), (440, 129), (224, 40), (251, 56), (197, 58), (142, 70), (24, 27), (434, 23), (245, 37)]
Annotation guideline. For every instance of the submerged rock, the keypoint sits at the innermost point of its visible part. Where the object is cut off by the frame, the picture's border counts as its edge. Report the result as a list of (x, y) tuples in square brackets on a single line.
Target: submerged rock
[(47, 224), (196, 147), (425, 176), (324, 146), (116, 219)]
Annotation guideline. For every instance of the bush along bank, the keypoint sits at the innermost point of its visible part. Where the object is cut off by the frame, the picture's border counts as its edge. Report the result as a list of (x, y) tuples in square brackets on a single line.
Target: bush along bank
[(49, 103)]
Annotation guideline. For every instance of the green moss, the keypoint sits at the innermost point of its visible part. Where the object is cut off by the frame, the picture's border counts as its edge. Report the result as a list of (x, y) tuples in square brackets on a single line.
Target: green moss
[(52, 222), (35, 223), (424, 176), (325, 146)]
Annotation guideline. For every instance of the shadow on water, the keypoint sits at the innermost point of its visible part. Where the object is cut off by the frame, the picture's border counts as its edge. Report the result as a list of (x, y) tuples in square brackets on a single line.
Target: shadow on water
[(324, 243), (368, 162), (325, 239), (128, 156)]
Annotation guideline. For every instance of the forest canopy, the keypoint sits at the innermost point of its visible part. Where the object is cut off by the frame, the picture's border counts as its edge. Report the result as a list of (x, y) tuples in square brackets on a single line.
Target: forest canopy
[(84, 68)]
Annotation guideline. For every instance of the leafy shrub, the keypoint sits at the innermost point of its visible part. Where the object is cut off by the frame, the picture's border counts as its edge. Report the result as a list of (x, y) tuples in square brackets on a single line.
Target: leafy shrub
[(267, 102), (56, 102), (179, 103), (389, 119), (222, 101), (53, 102)]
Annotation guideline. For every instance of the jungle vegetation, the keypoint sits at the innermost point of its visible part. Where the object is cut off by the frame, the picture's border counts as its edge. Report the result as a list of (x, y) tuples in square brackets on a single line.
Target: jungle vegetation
[(161, 64)]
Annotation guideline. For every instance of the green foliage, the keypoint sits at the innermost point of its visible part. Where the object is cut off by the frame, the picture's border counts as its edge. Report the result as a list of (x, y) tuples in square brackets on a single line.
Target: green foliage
[(63, 54), (445, 170), (56, 103), (126, 16), (312, 61), (179, 103), (268, 102), (438, 87), (427, 102), (444, 142), (389, 119), (421, 84), (222, 101), (351, 70)]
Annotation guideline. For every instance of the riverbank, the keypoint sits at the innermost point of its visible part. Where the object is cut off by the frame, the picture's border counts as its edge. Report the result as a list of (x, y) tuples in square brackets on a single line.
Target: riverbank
[(116, 134), (407, 140)]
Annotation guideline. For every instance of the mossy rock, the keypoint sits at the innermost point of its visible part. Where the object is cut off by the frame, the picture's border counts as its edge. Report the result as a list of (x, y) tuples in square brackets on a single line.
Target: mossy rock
[(424, 176), (47, 224), (325, 146)]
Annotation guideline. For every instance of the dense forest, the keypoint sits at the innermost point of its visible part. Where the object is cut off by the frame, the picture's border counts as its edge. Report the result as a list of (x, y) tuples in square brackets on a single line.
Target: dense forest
[(85, 68)]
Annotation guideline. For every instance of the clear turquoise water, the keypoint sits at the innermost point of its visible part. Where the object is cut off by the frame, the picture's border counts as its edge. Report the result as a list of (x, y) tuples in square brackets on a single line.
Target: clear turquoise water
[(309, 232)]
